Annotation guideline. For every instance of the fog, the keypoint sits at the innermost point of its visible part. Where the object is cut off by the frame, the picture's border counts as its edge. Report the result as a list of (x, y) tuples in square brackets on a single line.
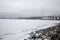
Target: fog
[(25, 8)]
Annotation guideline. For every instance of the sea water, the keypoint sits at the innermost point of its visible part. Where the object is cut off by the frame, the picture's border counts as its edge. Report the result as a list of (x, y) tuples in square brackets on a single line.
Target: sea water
[(18, 29)]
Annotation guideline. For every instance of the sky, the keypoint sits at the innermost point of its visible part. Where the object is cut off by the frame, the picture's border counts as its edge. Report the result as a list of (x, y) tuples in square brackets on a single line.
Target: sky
[(25, 8)]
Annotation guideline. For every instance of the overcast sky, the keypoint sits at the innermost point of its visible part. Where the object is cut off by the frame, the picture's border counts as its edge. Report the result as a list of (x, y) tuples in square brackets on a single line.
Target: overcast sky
[(29, 7)]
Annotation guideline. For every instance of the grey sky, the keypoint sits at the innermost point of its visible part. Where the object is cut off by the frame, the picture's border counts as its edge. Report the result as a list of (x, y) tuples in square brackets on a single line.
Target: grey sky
[(29, 7)]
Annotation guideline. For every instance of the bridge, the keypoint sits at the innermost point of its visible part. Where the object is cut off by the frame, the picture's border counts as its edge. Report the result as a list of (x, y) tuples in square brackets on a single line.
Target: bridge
[(51, 17)]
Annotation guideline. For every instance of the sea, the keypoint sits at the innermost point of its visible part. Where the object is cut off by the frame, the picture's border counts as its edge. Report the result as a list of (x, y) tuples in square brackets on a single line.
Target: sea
[(18, 29)]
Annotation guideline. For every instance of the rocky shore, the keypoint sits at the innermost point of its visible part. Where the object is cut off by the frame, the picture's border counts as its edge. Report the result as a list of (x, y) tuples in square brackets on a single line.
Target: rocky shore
[(51, 33)]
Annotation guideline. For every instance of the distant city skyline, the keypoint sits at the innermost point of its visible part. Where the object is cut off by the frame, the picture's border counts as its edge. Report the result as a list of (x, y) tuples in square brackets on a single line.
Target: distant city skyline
[(28, 8)]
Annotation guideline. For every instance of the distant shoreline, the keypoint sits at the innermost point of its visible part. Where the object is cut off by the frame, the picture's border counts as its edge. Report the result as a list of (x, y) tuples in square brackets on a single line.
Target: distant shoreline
[(30, 19), (35, 18)]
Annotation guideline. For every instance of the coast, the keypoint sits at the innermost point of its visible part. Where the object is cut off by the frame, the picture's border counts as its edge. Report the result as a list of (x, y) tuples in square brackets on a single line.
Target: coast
[(50, 33)]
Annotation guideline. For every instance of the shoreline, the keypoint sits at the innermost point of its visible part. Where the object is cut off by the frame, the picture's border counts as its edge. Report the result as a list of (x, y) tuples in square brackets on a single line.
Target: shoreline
[(51, 33)]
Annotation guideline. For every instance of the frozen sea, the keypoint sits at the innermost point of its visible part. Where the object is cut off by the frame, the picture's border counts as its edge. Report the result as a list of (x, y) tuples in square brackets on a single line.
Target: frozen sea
[(18, 29)]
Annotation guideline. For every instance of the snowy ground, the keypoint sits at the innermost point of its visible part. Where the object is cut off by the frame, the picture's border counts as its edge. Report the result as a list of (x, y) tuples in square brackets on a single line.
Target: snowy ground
[(19, 29)]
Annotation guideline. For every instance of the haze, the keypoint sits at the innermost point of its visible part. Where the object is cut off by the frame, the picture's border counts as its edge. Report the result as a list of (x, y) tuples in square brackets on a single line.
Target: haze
[(27, 8)]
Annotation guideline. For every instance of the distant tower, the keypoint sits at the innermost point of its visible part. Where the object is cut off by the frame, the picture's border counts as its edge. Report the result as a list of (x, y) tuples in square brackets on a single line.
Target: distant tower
[(42, 12)]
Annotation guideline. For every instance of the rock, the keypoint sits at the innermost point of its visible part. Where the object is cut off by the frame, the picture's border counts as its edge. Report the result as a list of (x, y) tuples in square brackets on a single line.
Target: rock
[(51, 33)]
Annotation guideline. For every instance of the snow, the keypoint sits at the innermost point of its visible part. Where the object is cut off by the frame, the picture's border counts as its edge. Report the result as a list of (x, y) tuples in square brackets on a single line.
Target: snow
[(14, 29)]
